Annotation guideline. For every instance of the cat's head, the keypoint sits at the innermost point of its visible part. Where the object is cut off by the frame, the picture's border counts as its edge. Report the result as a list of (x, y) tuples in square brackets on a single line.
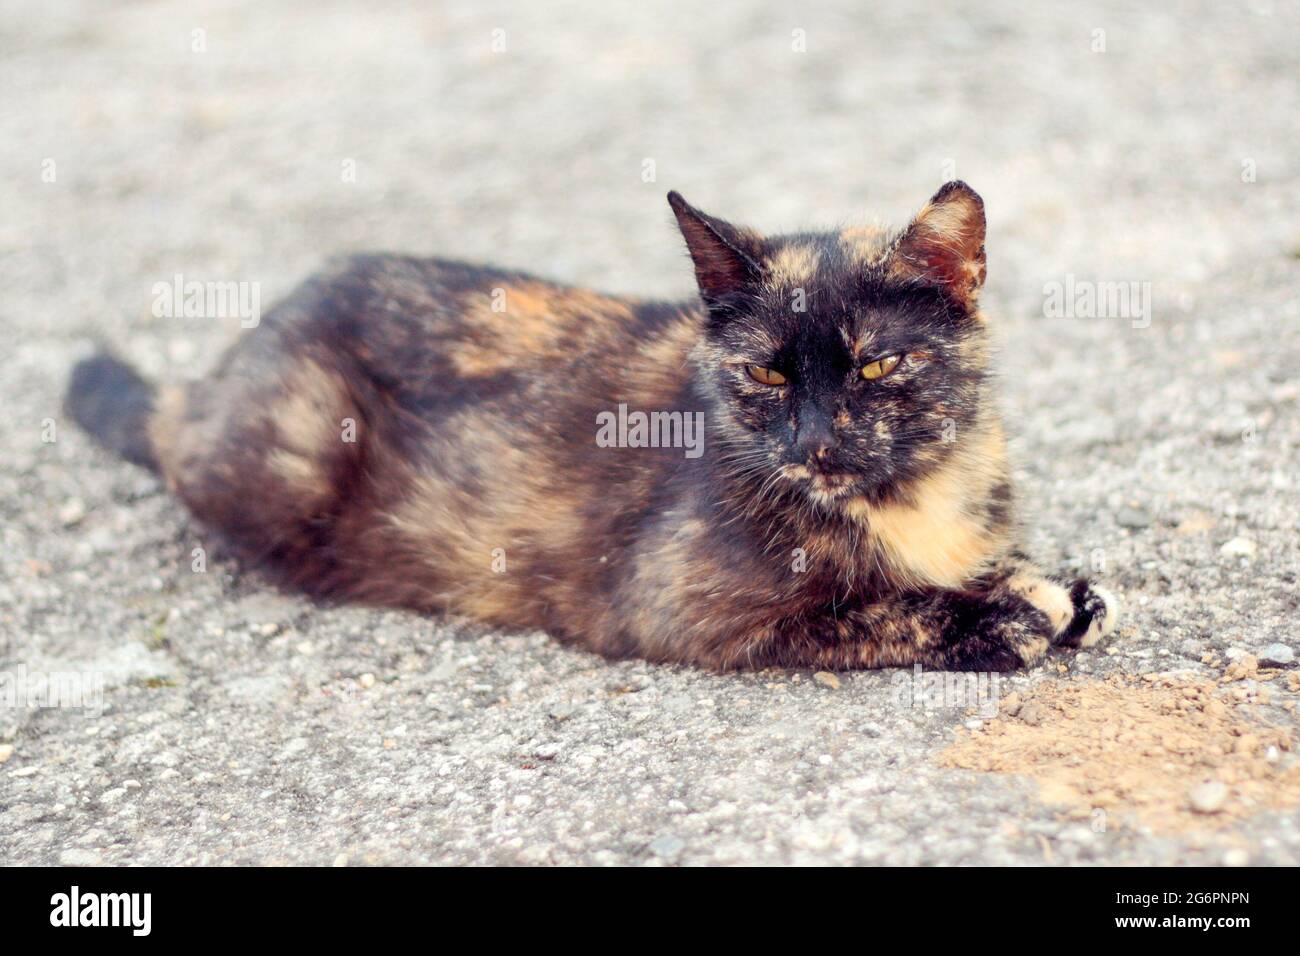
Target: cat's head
[(842, 364)]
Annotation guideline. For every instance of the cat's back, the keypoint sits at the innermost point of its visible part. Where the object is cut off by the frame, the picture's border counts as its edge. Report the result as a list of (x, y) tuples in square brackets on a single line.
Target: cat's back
[(437, 331), (479, 318)]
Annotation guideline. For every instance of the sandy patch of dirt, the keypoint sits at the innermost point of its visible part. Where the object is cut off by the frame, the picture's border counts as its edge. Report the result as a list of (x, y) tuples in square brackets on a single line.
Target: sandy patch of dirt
[(1173, 753)]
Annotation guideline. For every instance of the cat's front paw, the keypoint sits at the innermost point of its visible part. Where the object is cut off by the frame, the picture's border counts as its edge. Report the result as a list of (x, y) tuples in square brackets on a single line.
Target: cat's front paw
[(1096, 612), (1005, 634)]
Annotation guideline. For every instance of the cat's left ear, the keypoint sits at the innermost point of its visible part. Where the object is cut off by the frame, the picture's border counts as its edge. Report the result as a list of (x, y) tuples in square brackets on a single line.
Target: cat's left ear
[(727, 258), (945, 244)]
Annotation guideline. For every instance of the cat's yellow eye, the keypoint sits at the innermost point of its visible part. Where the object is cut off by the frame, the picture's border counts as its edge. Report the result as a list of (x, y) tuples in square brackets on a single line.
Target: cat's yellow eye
[(765, 376), (880, 367)]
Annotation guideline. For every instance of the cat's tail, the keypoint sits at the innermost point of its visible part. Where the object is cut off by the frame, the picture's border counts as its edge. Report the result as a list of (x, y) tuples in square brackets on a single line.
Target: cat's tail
[(113, 403)]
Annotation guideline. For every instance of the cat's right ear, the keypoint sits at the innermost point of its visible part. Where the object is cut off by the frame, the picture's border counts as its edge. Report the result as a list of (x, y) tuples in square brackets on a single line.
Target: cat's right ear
[(727, 258)]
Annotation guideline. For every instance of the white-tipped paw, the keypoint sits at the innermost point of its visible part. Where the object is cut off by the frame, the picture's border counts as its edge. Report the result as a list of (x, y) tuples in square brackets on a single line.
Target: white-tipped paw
[(1096, 612)]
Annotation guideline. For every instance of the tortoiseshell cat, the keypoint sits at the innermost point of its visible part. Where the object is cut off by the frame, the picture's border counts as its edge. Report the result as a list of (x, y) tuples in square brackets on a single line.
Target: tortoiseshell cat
[(423, 433)]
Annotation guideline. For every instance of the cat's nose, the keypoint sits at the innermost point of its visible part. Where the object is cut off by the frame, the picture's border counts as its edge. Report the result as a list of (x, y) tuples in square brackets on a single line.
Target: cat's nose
[(813, 436)]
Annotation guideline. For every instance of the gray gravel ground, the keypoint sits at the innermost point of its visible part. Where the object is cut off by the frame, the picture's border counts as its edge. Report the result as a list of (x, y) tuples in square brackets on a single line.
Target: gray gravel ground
[(244, 726)]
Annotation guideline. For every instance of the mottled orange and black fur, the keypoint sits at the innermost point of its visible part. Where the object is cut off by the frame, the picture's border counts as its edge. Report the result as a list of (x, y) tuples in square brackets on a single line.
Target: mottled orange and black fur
[(422, 433)]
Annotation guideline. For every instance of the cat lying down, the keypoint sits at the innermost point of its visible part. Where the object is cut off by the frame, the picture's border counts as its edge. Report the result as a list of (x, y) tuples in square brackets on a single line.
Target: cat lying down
[(803, 468)]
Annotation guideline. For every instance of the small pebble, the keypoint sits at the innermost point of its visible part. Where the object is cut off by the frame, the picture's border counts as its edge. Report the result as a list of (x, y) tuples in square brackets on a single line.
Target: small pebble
[(75, 857), (72, 512), (1208, 797), (827, 679), (1129, 517), (366, 681), (667, 848), (1276, 655), (1239, 547), (6, 751)]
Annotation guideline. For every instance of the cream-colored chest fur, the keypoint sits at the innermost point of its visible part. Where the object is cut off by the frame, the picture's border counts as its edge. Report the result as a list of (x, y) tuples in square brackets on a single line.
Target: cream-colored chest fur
[(939, 536)]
